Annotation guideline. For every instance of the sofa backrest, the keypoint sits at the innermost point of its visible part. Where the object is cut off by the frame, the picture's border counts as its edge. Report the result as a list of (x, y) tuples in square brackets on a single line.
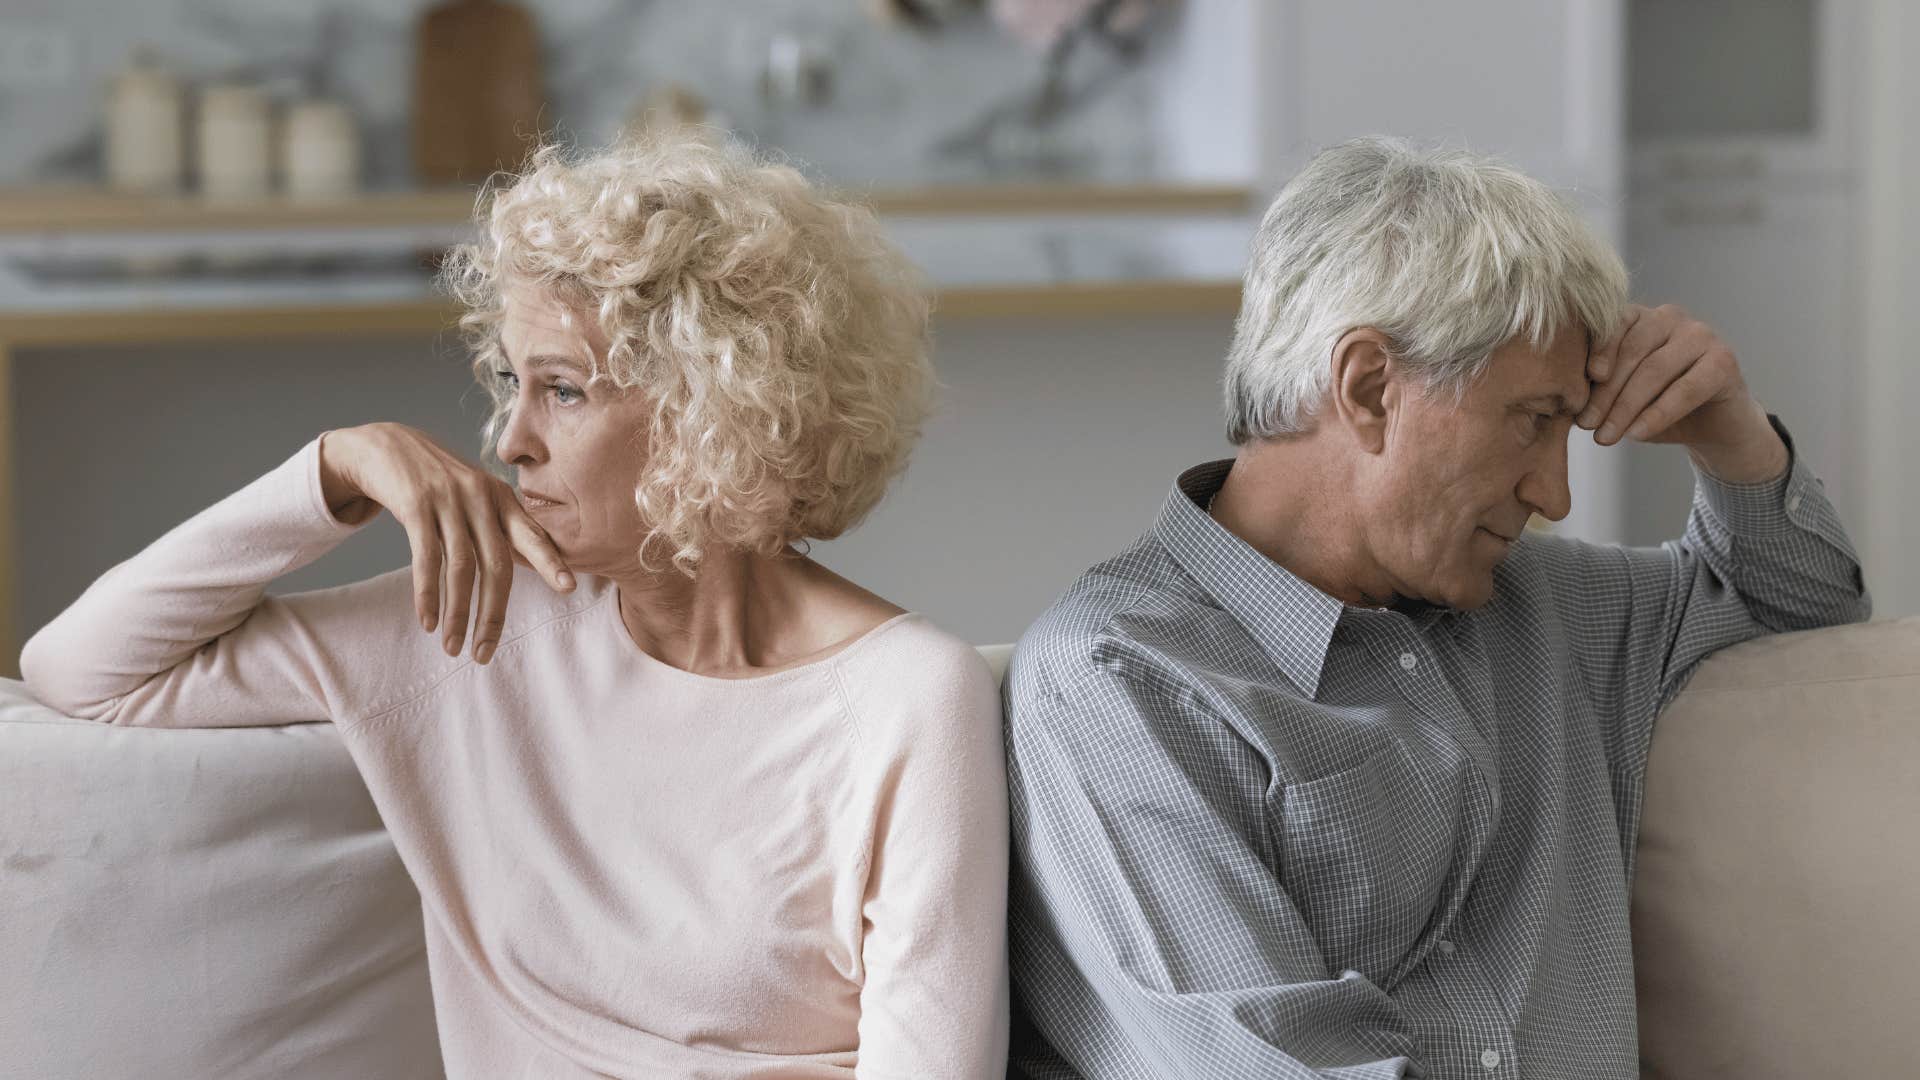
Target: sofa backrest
[(225, 903), (187, 903), (1776, 907)]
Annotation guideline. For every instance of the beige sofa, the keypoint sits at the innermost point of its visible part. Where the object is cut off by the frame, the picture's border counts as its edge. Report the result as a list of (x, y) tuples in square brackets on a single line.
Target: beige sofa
[(224, 903)]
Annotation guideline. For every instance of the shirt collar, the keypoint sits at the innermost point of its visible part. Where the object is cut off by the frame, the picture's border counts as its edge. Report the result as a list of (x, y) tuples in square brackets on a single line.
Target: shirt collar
[(1290, 620)]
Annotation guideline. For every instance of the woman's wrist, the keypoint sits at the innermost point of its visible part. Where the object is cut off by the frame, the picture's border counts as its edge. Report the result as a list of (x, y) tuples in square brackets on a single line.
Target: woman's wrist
[(343, 499)]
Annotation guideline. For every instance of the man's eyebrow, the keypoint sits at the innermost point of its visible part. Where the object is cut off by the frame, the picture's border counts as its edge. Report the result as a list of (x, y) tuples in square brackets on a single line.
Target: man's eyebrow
[(1557, 402)]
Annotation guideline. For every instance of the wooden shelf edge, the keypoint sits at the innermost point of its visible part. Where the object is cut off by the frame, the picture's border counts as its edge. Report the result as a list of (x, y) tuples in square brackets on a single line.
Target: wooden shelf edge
[(66, 329), (30, 210)]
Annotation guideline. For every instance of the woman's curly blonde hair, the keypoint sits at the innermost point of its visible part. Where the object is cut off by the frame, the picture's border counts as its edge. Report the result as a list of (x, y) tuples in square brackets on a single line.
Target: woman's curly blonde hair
[(780, 339)]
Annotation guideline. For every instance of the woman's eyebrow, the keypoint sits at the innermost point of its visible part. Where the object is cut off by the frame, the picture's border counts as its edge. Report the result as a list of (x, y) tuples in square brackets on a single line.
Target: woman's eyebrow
[(556, 360)]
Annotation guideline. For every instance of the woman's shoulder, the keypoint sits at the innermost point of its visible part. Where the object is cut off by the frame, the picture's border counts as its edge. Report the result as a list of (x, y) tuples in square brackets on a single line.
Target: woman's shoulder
[(911, 650), (908, 674)]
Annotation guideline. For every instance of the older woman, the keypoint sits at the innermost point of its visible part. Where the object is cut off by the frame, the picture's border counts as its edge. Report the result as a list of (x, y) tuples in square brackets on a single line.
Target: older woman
[(692, 805)]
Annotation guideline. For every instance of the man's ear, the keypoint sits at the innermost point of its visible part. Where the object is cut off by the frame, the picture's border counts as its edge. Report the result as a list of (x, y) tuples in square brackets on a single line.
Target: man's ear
[(1363, 386)]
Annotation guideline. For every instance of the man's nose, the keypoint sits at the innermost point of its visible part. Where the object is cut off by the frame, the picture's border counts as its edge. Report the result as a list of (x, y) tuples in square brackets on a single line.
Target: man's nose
[(1548, 492), (1546, 489)]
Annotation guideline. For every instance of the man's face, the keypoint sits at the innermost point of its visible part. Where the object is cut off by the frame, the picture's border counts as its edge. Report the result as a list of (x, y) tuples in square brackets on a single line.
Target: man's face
[(1457, 483)]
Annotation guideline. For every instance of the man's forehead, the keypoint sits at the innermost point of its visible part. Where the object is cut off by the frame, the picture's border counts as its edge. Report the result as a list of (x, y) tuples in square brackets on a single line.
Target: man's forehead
[(1555, 378)]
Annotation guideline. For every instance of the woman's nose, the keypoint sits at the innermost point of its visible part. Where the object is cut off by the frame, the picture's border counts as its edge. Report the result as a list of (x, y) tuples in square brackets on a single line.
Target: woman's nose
[(518, 443)]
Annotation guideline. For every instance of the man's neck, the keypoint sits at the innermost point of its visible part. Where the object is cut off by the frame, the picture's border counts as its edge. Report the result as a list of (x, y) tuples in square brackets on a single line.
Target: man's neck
[(1280, 497)]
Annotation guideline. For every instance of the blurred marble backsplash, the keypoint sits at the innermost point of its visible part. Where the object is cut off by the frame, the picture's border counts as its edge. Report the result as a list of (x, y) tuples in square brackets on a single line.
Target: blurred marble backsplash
[(894, 93)]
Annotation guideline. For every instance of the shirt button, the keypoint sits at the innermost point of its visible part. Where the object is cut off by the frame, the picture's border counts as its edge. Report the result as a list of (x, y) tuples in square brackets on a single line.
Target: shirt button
[(1793, 503), (1490, 1058), (1445, 947), (1407, 661)]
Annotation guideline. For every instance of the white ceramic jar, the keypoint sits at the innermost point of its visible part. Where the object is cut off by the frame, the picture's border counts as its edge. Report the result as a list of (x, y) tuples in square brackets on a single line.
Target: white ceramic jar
[(235, 142), (145, 130), (320, 151)]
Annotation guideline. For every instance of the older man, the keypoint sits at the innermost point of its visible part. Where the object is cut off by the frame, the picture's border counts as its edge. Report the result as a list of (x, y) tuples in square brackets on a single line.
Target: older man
[(1336, 771)]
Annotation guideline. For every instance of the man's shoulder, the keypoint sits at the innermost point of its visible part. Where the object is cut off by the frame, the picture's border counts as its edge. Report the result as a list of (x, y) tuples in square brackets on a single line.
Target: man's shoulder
[(1546, 566), (1133, 618)]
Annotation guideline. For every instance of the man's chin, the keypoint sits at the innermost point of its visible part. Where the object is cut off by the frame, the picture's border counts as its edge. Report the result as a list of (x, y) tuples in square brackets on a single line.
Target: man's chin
[(1466, 596)]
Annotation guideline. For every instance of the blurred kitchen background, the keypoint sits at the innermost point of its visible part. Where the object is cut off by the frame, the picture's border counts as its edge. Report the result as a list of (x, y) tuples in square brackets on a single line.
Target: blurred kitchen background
[(218, 220)]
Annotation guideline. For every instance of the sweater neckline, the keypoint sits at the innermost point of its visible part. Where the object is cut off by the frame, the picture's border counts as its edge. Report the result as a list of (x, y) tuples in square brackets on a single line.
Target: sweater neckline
[(649, 660)]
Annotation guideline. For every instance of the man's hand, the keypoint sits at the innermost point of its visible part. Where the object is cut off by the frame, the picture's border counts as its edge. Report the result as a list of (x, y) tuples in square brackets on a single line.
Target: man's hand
[(1668, 378)]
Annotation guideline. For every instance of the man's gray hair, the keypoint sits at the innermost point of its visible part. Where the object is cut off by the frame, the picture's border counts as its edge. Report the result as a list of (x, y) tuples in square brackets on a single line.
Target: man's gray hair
[(1449, 254)]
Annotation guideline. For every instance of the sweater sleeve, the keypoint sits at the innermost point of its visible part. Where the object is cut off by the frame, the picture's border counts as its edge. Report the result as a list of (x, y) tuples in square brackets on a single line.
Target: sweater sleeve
[(934, 1000), (182, 634)]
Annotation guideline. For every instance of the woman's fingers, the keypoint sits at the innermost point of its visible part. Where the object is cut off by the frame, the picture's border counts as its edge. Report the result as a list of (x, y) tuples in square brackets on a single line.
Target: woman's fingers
[(532, 545), (496, 578), (423, 538), (462, 562)]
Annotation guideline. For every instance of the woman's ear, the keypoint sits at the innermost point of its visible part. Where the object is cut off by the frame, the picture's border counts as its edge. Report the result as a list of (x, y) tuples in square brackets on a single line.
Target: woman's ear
[(1363, 386)]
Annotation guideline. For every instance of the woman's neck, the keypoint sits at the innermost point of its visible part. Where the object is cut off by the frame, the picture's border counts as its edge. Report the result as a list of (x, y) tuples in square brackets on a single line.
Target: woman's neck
[(734, 617)]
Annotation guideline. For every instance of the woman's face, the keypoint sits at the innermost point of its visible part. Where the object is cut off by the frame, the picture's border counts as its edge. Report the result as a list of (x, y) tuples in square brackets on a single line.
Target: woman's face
[(576, 444)]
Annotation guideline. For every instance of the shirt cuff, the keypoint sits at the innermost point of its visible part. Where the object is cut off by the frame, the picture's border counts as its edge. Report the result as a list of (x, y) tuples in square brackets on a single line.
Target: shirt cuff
[(1768, 508)]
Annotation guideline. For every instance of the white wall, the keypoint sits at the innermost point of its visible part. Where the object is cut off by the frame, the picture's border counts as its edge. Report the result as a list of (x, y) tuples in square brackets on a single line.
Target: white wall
[(1054, 445)]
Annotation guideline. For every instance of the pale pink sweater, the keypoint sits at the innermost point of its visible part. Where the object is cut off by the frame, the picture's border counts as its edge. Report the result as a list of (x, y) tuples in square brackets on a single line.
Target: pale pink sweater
[(625, 869)]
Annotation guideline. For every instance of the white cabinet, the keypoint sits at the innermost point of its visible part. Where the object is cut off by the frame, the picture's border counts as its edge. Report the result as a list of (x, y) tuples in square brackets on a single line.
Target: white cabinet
[(1538, 82), (1742, 90), (1743, 209)]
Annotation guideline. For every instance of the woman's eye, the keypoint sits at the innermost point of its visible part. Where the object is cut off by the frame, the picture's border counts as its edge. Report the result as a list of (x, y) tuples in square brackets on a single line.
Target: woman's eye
[(507, 379), (564, 394)]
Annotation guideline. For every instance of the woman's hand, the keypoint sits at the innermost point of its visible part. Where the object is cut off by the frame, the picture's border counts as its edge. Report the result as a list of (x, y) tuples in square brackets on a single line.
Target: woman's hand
[(465, 526)]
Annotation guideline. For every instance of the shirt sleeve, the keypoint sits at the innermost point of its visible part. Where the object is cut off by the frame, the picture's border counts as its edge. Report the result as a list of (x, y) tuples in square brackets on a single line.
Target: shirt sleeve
[(1754, 559), (182, 634), (933, 923), (1145, 867)]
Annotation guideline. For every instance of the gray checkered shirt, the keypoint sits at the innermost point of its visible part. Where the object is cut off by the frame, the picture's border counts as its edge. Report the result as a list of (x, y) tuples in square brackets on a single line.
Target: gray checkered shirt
[(1261, 834)]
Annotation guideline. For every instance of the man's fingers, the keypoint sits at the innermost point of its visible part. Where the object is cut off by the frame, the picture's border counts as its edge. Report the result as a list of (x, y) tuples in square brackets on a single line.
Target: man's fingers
[(1694, 388), (532, 545), (1601, 401), (461, 566), (1600, 364), (1650, 379)]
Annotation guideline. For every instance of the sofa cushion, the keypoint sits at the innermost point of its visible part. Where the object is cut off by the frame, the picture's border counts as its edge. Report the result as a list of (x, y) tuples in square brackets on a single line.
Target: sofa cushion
[(200, 903), (1776, 909)]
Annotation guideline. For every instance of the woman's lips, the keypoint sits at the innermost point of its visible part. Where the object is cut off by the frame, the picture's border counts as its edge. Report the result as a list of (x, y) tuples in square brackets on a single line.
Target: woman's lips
[(534, 502)]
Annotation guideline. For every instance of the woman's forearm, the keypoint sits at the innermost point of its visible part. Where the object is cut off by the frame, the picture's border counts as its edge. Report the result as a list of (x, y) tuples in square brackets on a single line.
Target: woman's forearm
[(202, 579)]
